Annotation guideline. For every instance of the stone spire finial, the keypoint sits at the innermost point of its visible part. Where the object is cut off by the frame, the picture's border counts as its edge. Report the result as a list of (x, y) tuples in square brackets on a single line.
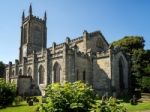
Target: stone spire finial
[(85, 33), (45, 16), (30, 9), (23, 16)]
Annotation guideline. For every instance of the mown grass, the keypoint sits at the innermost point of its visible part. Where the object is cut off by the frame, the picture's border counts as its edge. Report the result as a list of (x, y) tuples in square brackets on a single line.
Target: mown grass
[(22, 107), (137, 108)]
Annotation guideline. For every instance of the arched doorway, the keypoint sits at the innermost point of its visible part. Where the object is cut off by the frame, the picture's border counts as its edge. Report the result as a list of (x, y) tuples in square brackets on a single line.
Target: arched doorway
[(57, 69), (41, 74)]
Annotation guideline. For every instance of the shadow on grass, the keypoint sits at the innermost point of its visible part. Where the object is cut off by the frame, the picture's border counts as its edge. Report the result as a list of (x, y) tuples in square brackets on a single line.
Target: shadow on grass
[(125, 99), (19, 105)]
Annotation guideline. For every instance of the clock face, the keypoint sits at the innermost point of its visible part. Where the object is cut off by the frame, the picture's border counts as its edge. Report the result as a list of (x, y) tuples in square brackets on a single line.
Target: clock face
[(24, 51)]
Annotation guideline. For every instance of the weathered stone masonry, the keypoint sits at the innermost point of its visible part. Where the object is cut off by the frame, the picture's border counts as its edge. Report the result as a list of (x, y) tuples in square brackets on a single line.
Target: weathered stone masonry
[(89, 58)]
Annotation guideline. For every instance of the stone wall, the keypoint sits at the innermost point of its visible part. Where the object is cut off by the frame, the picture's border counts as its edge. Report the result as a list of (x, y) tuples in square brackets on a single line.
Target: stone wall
[(102, 74), (24, 84), (83, 64), (96, 43), (81, 46)]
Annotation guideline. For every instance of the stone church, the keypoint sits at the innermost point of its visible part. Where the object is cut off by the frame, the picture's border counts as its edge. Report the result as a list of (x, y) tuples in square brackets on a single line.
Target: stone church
[(89, 58)]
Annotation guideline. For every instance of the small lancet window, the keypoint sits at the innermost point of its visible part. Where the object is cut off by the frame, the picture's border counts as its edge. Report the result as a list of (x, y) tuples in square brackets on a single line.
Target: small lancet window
[(41, 75), (84, 76)]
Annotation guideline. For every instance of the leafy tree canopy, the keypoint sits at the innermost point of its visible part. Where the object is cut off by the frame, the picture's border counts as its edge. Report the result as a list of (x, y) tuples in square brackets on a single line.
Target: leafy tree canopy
[(2, 69), (146, 62), (146, 84), (7, 93), (128, 43)]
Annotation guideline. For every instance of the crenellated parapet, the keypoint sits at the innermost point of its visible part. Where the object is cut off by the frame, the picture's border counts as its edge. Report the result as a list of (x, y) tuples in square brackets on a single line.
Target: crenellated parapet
[(30, 16), (36, 18), (94, 41), (59, 46), (103, 54), (78, 39), (82, 54)]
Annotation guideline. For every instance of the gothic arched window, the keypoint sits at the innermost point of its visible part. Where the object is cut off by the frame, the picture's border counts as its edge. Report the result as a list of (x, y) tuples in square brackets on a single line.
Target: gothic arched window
[(77, 75), (41, 74), (29, 71), (121, 74), (84, 76), (57, 69), (13, 73), (20, 72)]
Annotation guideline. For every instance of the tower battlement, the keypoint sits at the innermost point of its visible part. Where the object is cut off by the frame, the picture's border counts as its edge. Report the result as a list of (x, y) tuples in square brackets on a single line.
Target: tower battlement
[(33, 34), (32, 17), (36, 18)]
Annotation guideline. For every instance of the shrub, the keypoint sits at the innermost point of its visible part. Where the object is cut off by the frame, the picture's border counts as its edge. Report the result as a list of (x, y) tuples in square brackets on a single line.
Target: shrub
[(108, 105), (30, 103), (7, 93), (69, 97), (43, 99), (28, 99), (35, 99), (17, 100)]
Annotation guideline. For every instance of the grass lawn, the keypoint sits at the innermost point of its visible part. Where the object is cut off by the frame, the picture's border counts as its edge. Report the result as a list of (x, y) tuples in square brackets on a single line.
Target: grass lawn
[(137, 108), (22, 107)]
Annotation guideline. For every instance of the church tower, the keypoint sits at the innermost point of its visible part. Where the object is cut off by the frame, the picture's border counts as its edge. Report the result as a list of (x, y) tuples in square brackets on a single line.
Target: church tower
[(33, 34)]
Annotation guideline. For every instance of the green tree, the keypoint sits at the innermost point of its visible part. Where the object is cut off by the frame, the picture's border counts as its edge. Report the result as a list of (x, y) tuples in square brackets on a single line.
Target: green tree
[(137, 70), (146, 71), (69, 97), (130, 43), (146, 83), (7, 93), (146, 62), (2, 69)]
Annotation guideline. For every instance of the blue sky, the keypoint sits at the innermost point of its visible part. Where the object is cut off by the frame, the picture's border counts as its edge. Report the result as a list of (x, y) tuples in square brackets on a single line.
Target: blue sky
[(114, 18)]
